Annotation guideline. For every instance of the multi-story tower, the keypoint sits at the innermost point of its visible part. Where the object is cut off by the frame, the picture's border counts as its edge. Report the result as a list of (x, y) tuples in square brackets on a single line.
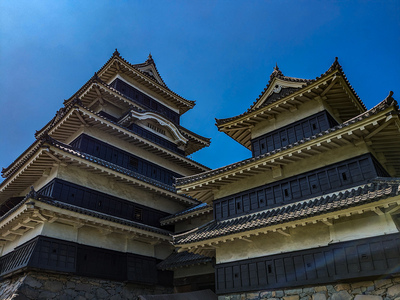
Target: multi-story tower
[(86, 198), (315, 205)]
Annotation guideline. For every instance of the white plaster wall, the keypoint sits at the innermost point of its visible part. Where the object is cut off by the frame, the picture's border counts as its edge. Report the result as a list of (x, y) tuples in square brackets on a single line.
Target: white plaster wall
[(301, 166), (307, 237), (123, 190), (10, 246), (60, 231), (307, 109), (273, 243), (93, 237), (365, 225), (162, 251), (134, 246)]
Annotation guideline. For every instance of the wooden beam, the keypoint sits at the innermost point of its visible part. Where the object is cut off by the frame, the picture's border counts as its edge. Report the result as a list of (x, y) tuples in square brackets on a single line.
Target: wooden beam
[(326, 222), (378, 211), (80, 118), (329, 86), (282, 232), (383, 126)]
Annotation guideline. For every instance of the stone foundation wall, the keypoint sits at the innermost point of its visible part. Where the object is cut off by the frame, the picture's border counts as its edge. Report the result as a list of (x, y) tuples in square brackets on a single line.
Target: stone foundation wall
[(382, 289), (36, 285)]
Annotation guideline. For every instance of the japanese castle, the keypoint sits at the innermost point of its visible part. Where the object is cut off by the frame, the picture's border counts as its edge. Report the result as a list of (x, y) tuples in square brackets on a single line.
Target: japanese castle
[(106, 195)]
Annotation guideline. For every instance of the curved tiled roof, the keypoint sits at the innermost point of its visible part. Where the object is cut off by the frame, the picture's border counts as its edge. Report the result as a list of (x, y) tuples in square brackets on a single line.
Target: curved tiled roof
[(78, 102), (53, 202), (193, 209), (109, 165), (378, 189), (184, 131), (149, 61), (116, 54), (278, 74), (183, 259), (387, 102)]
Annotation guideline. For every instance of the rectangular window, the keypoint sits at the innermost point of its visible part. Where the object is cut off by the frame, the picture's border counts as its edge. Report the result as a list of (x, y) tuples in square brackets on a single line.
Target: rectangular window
[(138, 214)]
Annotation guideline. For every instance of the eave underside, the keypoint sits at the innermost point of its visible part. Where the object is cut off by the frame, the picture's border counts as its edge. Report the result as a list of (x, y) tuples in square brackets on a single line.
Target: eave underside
[(381, 133), (333, 91), (379, 198), (81, 117), (33, 211), (50, 156), (119, 66)]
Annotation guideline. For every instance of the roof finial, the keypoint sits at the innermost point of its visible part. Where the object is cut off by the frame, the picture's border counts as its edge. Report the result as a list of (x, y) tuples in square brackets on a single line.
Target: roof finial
[(276, 72), (150, 57), (116, 53)]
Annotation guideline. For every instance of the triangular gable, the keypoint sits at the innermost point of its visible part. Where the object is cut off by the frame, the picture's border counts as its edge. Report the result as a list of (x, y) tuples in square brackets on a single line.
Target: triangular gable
[(150, 69), (277, 87)]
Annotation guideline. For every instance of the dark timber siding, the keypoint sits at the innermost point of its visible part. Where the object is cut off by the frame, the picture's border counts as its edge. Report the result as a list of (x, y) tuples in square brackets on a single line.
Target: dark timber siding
[(18, 259), (155, 138), (317, 182), (355, 259), (140, 97), (77, 195), (124, 159), (292, 133), (57, 255)]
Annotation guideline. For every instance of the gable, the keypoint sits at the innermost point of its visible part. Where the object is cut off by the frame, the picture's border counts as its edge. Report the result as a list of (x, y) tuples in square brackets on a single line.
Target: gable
[(277, 89)]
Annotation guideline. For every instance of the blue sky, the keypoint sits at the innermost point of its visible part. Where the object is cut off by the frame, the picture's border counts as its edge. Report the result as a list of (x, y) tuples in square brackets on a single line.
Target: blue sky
[(219, 53)]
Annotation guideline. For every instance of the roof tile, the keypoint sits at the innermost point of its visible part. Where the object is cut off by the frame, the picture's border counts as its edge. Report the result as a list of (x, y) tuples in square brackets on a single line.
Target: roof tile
[(378, 189)]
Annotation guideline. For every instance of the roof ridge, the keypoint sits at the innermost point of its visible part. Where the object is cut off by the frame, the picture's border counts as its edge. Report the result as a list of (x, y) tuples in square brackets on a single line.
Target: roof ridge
[(335, 66), (378, 189), (388, 101), (135, 66)]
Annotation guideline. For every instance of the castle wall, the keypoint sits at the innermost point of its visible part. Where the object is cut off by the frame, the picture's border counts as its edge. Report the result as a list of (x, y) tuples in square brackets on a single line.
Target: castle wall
[(40, 285), (379, 289)]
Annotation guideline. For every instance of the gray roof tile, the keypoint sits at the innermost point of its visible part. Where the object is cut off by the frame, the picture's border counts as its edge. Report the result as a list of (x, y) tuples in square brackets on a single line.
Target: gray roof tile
[(378, 189)]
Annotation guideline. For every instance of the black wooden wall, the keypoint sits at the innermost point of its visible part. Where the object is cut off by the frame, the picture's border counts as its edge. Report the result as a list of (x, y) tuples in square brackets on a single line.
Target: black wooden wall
[(51, 254), (155, 138), (362, 258), (292, 133), (124, 159), (81, 196), (139, 97), (310, 184)]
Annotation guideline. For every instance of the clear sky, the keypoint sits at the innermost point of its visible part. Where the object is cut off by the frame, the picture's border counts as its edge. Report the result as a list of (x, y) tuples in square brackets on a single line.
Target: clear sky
[(219, 53)]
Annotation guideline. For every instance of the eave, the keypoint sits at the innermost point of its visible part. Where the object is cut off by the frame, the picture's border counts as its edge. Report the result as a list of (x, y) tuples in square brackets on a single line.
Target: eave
[(79, 116), (332, 89), (196, 142), (381, 201), (53, 153), (98, 92), (193, 142), (185, 215), (33, 211), (117, 65), (379, 128)]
